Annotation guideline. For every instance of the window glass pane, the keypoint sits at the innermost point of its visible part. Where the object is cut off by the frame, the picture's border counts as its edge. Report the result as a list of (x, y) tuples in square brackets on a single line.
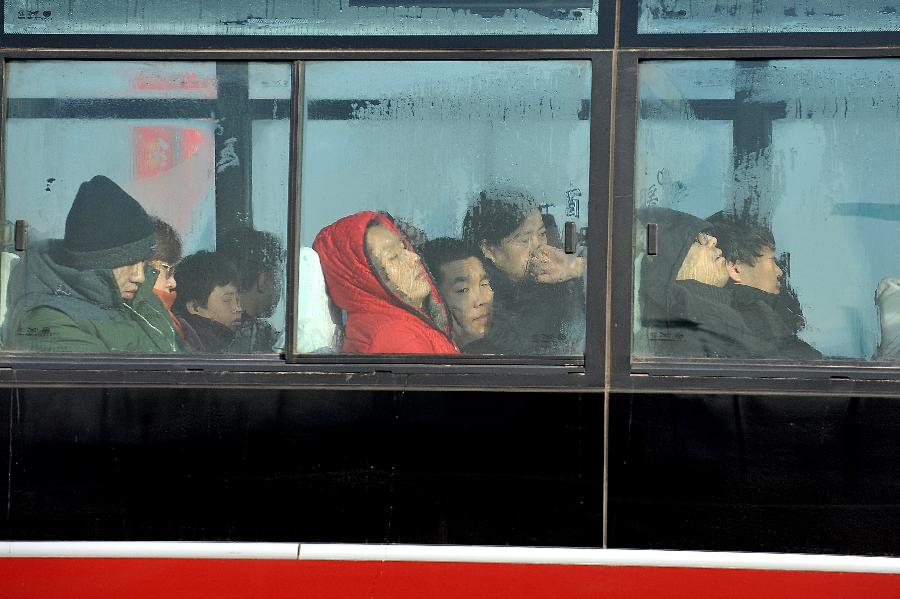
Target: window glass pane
[(776, 210), (296, 17), (115, 164), (474, 167), (765, 16)]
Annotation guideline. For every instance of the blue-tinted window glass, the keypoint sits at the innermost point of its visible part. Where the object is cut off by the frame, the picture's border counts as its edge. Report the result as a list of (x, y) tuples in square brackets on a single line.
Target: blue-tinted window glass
[(298, 17), (479, 165), (766, 16), (155, 200), (773, 186)]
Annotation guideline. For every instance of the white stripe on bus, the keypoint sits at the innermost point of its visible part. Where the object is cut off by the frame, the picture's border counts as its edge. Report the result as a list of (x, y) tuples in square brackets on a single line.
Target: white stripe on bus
[(454, 554)]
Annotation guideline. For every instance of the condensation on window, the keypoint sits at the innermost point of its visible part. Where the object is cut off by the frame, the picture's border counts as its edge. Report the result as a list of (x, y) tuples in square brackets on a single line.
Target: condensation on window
[(298, 17), (766, 16), (793, 173), (114, 80), (421, 141), (200, 146)]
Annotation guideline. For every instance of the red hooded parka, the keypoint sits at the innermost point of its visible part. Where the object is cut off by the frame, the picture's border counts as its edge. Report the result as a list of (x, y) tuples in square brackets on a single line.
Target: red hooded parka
[(379, 321)]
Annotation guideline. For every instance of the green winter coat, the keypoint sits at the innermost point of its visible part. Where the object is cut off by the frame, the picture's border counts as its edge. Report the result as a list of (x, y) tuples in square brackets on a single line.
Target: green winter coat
[(61, 309)]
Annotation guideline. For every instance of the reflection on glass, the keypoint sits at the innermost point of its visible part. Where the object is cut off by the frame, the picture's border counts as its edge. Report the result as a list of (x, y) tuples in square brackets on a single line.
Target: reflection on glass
[(137, 182), (433, 195), (766, 16), (775, 207), (298, 17)]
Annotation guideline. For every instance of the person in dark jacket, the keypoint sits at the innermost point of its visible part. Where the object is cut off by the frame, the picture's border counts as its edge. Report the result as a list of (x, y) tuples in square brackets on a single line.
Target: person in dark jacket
[(88, 292), (374, 275), (259, 259), (684, 305), (772, 314), (207, 304), (463, 284), (538, 289)]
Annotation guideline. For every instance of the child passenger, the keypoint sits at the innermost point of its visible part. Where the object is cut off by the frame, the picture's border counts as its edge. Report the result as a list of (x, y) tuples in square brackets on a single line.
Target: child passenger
[(207, 304), (374, 275)]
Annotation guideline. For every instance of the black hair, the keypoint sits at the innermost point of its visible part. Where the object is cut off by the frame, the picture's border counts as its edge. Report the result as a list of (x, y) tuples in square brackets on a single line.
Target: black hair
[(168, 242), (440, 251), (197, 276), (740, 239), (253, 253), (495, 214)]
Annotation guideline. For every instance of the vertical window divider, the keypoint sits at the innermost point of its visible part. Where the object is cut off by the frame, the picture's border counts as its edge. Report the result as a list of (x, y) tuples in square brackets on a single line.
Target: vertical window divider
[(3, 77), (295, 159)]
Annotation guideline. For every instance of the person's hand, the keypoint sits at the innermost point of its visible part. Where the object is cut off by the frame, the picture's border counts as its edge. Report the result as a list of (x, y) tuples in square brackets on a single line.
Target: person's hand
[(552, 265)]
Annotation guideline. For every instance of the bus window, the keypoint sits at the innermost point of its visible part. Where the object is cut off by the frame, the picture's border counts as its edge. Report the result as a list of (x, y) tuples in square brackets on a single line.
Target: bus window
[(766, 210), (434, 203), (155, 199), (738, 16), (324, 17)]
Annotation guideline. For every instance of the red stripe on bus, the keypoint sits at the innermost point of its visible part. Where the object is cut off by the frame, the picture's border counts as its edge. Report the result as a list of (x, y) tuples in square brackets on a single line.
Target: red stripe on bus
[(171, 578)]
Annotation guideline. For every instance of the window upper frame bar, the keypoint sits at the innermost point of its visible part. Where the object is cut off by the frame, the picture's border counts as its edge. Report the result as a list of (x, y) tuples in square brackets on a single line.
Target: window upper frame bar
[(630, 38)]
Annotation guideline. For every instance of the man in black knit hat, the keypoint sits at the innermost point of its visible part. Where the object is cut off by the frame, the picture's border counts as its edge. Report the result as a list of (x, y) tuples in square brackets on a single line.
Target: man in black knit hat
[(86, 292)]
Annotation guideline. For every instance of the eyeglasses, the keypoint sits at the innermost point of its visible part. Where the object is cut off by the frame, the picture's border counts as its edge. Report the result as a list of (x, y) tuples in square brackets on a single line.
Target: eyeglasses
[(163, 267)]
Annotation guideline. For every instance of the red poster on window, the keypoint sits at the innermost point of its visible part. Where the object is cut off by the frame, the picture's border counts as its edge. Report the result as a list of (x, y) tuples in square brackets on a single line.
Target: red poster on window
[(154, 151)]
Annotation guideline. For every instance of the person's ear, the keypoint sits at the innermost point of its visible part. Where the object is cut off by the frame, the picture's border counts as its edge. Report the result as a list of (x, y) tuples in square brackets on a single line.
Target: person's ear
[(734, 271), (486, 250), (191, 306)]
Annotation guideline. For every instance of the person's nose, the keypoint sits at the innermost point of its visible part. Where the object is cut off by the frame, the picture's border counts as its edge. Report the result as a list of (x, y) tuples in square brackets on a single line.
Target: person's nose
[(779, 271), (237, 305), (137, 273), (485, 295), (171, 283)]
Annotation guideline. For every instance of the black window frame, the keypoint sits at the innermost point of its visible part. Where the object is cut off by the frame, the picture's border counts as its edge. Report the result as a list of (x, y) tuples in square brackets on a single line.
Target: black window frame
[(551, 373), (695, 375)]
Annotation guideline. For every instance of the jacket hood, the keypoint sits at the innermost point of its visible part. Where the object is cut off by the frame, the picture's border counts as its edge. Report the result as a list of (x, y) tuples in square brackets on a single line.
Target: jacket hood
[(676, 233), (45, 277), (352, 279)]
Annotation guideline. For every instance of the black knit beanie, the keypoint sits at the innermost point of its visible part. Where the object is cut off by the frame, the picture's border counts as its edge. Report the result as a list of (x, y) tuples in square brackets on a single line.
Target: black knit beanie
[(106, 228)]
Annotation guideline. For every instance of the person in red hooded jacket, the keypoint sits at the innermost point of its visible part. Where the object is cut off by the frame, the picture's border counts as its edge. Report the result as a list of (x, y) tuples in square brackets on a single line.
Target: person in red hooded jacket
[(372, 273)]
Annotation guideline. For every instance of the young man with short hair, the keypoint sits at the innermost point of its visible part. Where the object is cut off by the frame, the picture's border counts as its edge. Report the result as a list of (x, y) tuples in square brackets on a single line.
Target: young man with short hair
[(772, 314), (464, 286)]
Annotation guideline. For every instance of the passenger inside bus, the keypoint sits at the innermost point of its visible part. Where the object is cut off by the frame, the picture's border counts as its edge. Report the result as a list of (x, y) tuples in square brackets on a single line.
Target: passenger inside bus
[(463, 283), (207, 304), (685, 307), (259, 259), (887, 298), (375, 276), (772, 313), (538, 289), (86, 292), (165, 256)]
